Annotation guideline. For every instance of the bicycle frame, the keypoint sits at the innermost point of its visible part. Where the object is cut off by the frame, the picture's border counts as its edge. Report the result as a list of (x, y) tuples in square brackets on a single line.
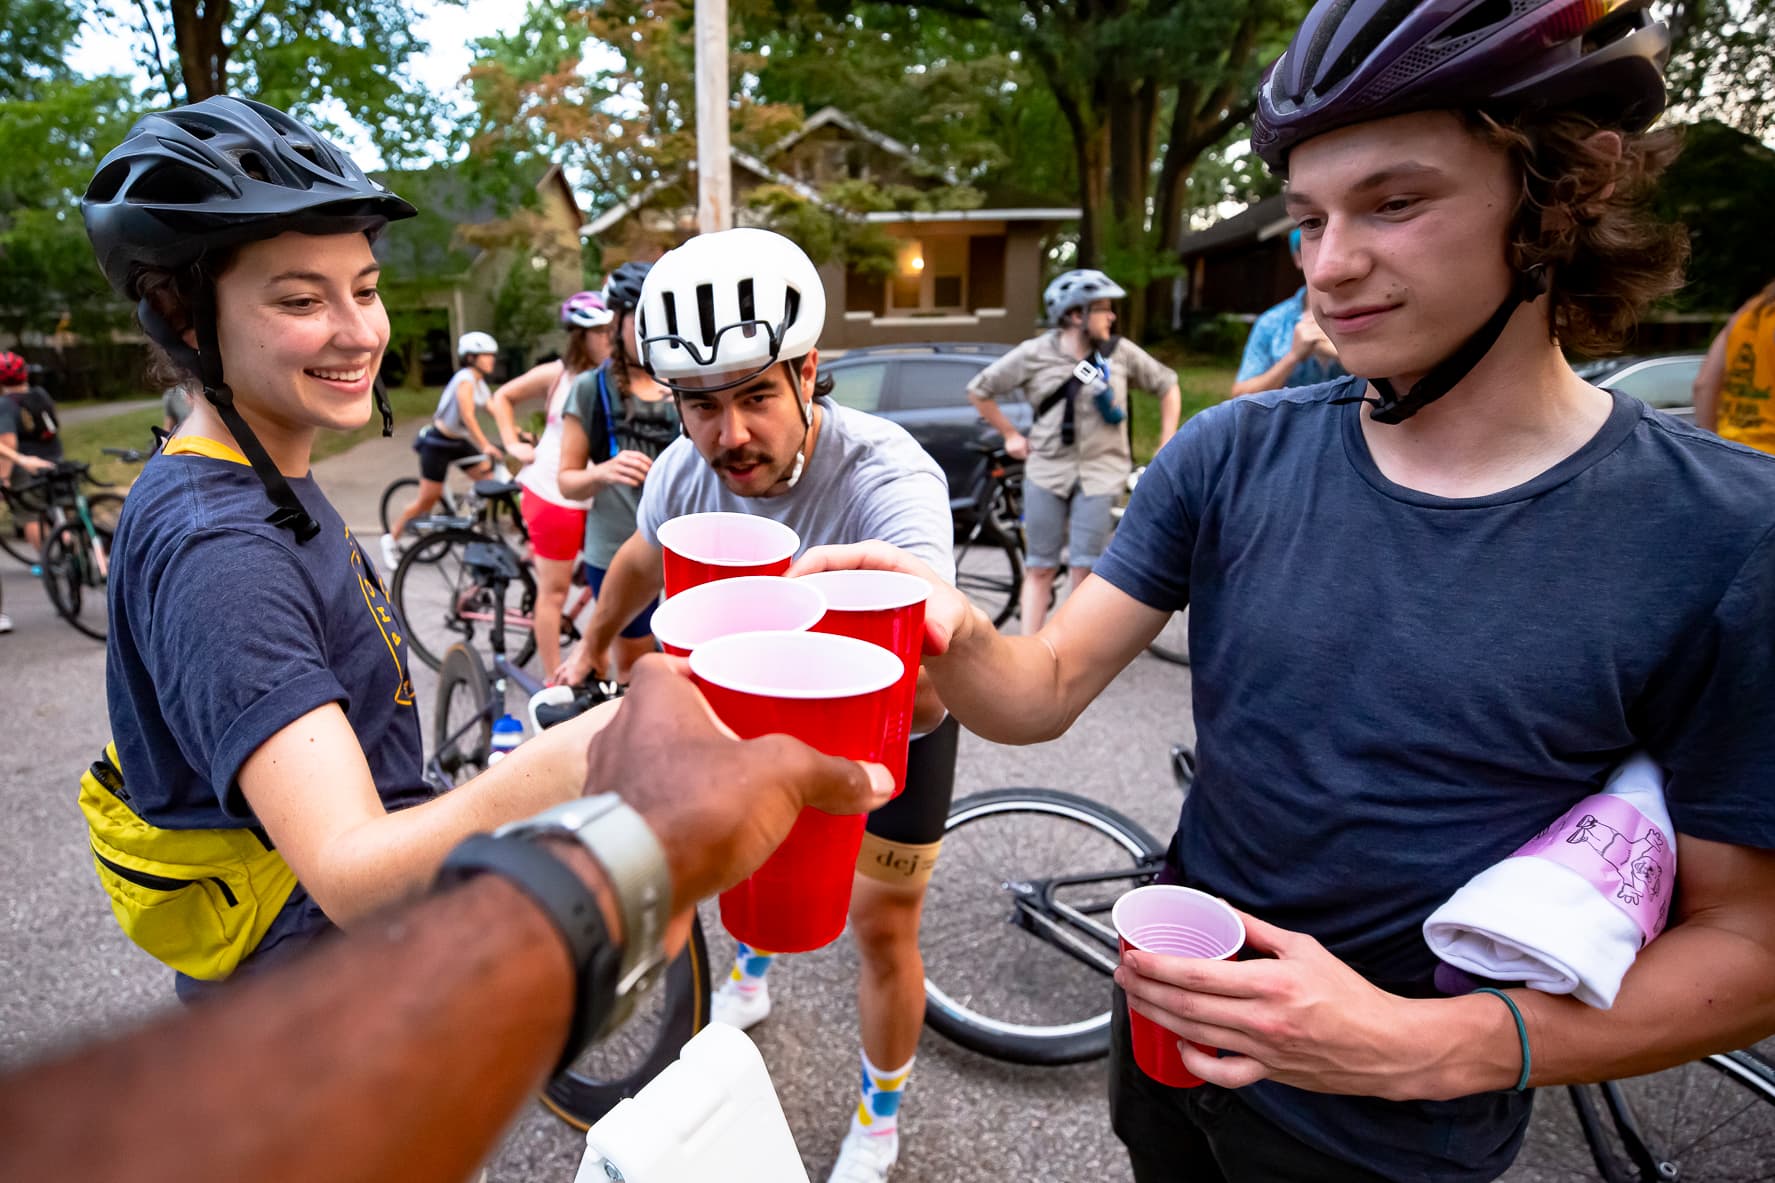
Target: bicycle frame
[(1037, 912)]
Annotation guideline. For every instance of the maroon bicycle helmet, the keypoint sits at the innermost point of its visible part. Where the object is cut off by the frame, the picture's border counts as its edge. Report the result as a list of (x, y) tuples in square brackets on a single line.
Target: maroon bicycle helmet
[(1356, 60), (13, 371)]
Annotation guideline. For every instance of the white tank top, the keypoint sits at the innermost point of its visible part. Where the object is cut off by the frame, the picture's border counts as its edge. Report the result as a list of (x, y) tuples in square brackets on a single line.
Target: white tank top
[(542, 475)]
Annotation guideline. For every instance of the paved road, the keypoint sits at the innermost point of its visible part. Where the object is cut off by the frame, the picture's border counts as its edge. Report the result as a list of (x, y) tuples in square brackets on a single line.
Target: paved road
[(66, 971)]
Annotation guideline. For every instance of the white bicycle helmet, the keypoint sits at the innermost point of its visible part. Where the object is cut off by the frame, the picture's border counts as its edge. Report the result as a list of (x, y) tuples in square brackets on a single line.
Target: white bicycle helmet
[(1075, 289), (735, 302), (474, 343)]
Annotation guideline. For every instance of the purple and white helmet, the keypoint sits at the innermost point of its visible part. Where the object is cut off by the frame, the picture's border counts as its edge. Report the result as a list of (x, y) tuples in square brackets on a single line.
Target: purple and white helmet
[(1356, 60), (585, 310)]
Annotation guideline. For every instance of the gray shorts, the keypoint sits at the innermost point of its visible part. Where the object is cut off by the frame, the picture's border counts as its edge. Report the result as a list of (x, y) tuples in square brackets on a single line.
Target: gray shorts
[(1045, 527)]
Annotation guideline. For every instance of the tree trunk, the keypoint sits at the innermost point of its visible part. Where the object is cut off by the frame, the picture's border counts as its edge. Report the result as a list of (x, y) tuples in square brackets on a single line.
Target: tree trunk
[(198, 37)]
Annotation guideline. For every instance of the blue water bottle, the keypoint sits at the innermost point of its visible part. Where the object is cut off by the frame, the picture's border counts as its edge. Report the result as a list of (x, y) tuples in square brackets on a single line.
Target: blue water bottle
[(508, 733)]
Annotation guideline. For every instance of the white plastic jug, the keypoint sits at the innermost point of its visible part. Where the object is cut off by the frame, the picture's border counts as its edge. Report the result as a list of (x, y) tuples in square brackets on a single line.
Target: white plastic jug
[(712, 1117)]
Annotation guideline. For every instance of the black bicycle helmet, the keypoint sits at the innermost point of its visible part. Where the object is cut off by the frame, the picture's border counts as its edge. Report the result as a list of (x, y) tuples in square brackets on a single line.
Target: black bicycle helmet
[(622, 287), (1353, 61), (195, 180)]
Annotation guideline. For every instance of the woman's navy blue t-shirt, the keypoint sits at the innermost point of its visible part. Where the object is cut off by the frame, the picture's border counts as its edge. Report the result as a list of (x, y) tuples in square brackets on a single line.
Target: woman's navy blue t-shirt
[(1393, 691), (224, 630)]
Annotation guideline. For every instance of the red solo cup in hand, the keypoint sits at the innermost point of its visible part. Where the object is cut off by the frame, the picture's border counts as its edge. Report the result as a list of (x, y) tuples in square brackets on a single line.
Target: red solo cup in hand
[(835, 694), (885, 608), (703, 547), (746, 604), (1176, 922)]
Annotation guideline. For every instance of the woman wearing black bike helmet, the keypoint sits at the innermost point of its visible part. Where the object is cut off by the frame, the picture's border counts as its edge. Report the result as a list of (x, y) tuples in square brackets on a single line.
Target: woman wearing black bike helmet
[(256, 675)]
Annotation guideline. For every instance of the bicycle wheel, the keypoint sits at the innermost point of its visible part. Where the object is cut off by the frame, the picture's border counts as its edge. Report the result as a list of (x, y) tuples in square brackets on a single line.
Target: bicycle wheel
[(462, 724), (1711, 1119), (12, 532), (71, 577), (442, 600), (623, 1063), (994, 983), (1172, 643), (989, 571), (400, 493), (106, 509)]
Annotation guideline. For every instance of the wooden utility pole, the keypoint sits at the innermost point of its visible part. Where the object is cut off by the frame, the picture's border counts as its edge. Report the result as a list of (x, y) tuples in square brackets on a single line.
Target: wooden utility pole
[(714, 171)]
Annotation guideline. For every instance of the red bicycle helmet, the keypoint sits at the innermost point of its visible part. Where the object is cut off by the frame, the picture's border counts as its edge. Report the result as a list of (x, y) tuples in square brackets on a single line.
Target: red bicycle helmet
[(13, 371)]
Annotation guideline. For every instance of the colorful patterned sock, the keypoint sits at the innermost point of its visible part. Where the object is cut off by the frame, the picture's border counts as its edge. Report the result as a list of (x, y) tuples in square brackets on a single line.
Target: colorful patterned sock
[(879, 1110), (749, 967)]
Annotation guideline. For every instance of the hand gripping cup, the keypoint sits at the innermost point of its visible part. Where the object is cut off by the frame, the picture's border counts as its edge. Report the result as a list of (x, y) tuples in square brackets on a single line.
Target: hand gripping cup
[(746, 604), (703, 547), (1176, 922), (885, 608), (836, 694)]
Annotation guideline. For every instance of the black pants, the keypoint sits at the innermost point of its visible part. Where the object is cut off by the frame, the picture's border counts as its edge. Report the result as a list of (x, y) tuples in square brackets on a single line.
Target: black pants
[(1205, 1134)]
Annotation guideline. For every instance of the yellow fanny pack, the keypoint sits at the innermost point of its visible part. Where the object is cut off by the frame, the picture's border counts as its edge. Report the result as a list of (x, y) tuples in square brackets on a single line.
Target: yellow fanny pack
[(197, 900)]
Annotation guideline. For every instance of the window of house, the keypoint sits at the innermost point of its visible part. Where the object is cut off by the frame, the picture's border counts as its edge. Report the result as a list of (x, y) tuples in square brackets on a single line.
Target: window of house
[(931, 275)]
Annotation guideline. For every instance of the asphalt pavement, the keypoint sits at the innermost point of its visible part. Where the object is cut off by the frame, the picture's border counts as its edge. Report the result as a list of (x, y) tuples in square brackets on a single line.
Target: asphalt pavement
[(66, 972)]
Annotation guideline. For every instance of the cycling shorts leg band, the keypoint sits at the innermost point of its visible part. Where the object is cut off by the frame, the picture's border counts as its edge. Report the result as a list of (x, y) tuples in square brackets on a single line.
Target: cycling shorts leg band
[(906, 864)]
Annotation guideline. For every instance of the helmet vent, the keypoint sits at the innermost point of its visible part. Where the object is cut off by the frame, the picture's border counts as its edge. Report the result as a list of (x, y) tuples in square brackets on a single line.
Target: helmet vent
[(1478, 19), (671, 302), (174, 186), (705, 311), (253, 165), (748, 300), (1373, 31)]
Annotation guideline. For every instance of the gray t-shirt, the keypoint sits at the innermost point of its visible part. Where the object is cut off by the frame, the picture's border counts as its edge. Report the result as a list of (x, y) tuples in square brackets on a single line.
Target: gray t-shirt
[(642, 426), (1393, 690), (867, 479), (448, 416)]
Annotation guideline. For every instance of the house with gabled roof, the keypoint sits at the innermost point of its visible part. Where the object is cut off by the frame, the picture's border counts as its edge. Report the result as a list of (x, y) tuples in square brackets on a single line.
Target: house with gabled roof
[(968, 274)]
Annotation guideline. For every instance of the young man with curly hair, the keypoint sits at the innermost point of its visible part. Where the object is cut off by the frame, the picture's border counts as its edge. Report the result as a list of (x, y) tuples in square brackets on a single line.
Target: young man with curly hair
[(1431, 607)]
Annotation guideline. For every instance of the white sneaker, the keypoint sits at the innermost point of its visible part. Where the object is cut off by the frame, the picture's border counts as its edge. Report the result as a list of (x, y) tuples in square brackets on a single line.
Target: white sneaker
[(865, 1157), (740, 1008), (391, 553), (5, 623)]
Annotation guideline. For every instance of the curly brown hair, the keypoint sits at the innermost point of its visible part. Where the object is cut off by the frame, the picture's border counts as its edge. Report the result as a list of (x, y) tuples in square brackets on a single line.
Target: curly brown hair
[(1585, 217)]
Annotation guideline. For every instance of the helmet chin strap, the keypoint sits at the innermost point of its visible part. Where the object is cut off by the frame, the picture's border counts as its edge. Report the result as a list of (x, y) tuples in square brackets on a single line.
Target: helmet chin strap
[(1393, 407), (807, 426), (206, 360)]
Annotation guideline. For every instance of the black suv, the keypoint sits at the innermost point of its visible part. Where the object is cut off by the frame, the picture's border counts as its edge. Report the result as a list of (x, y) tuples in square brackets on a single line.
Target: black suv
[(924, 388)]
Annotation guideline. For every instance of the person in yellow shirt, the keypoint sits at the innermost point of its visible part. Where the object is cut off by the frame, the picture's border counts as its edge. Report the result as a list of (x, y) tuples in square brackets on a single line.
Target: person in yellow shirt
[(1735, 385)]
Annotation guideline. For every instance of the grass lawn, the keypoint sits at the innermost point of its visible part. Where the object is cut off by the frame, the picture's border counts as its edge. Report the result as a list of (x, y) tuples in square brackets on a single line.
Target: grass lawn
[(1202, 382), (87, 440)]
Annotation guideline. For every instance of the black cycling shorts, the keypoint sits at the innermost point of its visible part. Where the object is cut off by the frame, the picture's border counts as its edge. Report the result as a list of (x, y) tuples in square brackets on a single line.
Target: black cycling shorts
[(436, 451), (916, 817)]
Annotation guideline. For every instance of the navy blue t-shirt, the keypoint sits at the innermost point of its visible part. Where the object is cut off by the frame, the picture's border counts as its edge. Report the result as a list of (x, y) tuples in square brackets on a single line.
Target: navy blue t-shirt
[(1394, 691), (224, 631)]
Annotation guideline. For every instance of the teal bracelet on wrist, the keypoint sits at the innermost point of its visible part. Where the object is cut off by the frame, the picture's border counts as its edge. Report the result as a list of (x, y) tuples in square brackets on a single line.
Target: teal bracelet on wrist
[(1521, 1031)]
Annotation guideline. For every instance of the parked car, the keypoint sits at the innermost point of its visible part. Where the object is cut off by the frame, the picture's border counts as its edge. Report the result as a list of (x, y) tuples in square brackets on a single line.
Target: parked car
[(924, 388), (1665, 382)]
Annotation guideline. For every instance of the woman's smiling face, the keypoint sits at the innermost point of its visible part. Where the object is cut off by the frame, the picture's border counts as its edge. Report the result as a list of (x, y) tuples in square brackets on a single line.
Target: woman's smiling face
[(302, 329)]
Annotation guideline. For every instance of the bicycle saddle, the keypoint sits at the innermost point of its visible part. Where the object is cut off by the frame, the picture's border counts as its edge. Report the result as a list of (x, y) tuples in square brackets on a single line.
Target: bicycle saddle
[(490, 489)]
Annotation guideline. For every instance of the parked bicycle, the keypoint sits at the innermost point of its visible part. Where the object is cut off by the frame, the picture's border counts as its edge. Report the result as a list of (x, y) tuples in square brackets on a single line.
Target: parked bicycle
[(471, 698), (1017, 950), (442, 598), (989, 534), (76, 531)]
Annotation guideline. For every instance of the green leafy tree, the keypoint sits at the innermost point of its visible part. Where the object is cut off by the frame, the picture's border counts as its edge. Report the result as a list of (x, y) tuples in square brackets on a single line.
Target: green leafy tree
[(1722, 188), (1722, 62)]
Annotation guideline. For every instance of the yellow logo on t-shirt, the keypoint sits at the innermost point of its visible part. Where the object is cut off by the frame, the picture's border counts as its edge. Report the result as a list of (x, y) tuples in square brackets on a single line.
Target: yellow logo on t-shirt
[(369, 581)]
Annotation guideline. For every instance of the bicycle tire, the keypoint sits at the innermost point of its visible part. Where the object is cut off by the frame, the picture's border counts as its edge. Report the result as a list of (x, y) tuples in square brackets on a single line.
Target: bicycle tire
[(581, 1094), (430, 604), (106, 510), (12, 532), (989, 571), (1712, 1118), (405, 488), (1172, 643), (1022, 976), (459, 747), (70, 576)]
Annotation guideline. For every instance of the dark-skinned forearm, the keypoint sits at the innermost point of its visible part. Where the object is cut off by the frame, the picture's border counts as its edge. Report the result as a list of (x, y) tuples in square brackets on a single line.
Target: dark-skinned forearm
[(402, 1051)]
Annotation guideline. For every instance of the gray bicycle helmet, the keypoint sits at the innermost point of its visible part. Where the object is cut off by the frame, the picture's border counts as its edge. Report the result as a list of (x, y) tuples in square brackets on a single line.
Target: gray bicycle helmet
[(1075, 289), (1356, 60), (193, 181), (622, 287)]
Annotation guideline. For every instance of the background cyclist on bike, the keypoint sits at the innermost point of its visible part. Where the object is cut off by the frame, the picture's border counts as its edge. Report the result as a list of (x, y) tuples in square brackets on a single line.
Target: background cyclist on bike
[(764, 438), (454, 432), (1424, 627), (618, 422), (29, 439), (1077, 374), (255, 677), (556, 519)]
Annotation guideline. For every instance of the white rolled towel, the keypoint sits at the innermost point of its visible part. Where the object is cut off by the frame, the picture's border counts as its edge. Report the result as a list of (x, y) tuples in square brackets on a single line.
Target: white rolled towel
[(1570, 910)]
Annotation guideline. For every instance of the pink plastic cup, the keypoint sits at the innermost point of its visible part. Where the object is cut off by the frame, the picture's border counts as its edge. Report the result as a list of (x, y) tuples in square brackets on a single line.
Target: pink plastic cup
[(746, 604), (885, 608), (836, 694), (703, 547), (1176, 922)]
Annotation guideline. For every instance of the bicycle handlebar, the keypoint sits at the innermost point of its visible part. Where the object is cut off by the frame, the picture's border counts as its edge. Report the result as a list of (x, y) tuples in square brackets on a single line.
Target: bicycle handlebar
[(127, 455)]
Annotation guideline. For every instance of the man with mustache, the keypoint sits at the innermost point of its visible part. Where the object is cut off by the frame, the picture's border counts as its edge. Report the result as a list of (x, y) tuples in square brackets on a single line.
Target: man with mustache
[(763, 436)]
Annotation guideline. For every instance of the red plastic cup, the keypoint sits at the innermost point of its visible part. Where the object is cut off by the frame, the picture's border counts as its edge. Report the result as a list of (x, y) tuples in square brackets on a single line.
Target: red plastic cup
[(703, 547), (746, 604), (834, 693), (1177, 922), (885, 608)]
